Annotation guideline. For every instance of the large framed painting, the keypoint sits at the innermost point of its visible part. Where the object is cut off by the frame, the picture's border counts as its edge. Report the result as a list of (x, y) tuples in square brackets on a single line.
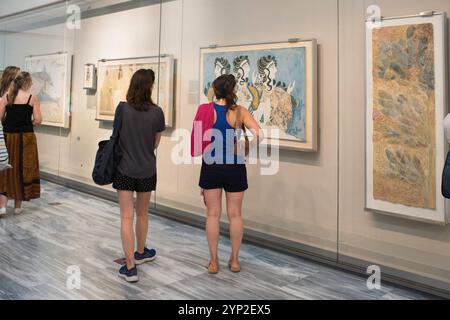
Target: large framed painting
[(52, 75), (276, 82), (114, 79), (406, 105)]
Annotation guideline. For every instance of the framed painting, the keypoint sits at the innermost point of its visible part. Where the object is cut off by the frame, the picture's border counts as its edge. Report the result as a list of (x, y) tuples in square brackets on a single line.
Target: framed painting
[(90, 77), (276, 82), (406, 105), (114, 79), (52, 75)]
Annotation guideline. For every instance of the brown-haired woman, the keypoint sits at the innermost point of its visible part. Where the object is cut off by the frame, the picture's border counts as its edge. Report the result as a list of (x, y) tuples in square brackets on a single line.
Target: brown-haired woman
[(218, 173), (140, 134), (8, 76), (21, 112)]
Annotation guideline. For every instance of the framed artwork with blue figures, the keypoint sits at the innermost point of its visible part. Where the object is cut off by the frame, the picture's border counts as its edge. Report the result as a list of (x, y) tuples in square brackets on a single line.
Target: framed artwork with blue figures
[(276, 82)]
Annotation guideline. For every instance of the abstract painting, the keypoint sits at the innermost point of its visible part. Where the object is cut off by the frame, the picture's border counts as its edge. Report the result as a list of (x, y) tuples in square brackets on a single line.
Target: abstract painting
[(51, 85), (275, 82), (114, 79), (405, 115)]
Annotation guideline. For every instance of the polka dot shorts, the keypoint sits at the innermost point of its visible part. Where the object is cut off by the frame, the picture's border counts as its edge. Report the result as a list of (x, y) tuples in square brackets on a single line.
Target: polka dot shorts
[(125, 183)]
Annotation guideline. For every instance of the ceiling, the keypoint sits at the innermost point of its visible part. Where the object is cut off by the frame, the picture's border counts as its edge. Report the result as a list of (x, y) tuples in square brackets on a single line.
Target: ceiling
[(19, 16)]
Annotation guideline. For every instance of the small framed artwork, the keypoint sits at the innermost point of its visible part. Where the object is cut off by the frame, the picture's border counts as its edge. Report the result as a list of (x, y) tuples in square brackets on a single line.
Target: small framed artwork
[(90, 77)]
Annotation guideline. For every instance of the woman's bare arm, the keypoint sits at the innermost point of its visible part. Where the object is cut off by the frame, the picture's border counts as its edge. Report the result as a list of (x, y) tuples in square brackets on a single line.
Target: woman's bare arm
[(37, 115), (251, 124), (3, 103)]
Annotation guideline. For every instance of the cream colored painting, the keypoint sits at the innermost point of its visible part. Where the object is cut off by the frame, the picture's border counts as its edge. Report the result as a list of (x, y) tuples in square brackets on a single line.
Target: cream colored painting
[(114, 79), (51, 85), (406, 110)]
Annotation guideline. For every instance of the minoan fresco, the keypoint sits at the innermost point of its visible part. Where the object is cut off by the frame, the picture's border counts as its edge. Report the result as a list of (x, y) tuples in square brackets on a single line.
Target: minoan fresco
[(275, 82), (404, 141)]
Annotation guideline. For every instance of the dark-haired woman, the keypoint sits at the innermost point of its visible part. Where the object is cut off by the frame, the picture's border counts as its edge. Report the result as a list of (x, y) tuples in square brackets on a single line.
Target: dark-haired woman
[(21, 112), (223, 169), (140, 135)]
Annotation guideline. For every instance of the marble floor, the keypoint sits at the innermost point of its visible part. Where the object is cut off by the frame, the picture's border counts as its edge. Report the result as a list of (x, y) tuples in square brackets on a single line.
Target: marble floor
[(67, 228)]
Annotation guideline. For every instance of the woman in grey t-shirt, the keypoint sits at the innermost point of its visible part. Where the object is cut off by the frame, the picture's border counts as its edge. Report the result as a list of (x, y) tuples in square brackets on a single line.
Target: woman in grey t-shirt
[(140, 135)]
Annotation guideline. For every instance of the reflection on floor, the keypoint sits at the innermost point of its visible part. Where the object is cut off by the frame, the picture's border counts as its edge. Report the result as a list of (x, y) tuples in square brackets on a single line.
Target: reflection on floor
[(66, 228)]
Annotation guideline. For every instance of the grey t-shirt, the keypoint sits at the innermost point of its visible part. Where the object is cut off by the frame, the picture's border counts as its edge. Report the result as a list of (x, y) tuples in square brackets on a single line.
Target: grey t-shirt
[(137, 141)]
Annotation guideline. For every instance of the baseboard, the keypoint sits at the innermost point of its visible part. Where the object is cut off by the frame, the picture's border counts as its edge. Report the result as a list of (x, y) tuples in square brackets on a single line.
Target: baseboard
[(351, 264)]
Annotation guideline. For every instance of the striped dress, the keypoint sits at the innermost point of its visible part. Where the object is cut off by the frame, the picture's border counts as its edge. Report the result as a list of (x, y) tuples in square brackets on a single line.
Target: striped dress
[(4, 159)]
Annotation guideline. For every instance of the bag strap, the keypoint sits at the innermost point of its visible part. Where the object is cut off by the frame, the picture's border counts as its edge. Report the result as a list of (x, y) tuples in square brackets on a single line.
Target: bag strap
[(118, 120)]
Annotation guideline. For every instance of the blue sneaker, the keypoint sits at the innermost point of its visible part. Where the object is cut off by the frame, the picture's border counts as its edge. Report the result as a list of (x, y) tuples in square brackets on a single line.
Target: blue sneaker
[(129, 275), (147, 256)]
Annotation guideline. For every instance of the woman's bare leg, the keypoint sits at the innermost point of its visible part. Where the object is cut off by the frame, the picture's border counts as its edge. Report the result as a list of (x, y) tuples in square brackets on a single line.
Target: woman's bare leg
[(126, 230), (213, 199), (142, 204), (3, 201), (234, 211)]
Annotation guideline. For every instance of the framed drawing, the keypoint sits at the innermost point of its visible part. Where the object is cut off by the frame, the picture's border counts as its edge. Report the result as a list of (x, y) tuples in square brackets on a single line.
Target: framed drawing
[(52, 76), (90, 77), (114, 79), (406, 105), (276, 82)]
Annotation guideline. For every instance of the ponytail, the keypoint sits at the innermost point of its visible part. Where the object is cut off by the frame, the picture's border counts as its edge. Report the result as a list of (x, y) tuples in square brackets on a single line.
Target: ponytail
[(224, 87), (22, 81), (13, 91)]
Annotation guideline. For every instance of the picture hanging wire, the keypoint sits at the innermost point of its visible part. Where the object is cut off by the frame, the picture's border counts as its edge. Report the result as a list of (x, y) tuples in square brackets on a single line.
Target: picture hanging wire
[(291, 40), (423, 14), (135, 58), (46, 54)]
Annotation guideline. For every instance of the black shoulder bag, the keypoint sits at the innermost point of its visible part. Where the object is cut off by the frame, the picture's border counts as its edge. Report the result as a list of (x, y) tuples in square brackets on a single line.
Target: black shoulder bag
[(109, 154), (446, 178)]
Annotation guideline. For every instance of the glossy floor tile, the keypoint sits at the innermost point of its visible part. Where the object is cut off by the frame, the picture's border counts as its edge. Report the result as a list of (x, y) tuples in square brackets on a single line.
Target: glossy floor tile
[(66, 228)]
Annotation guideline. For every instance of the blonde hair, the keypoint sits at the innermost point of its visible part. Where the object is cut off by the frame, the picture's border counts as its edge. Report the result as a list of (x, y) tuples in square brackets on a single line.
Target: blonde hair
[(22, 81)]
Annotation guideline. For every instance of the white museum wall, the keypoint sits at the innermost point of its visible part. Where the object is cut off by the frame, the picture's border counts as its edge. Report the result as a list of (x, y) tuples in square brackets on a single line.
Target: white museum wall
[(17, 46), (416, 247), (300, 202)]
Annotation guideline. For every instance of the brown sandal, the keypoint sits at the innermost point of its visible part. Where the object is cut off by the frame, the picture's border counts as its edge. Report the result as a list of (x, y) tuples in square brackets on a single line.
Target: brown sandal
[(234, 269), (213, 270)]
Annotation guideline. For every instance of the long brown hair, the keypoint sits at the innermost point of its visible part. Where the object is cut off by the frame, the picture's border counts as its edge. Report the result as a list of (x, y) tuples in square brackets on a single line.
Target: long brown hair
[(8, 76), (21, 82), (139, 94), (224, 88)]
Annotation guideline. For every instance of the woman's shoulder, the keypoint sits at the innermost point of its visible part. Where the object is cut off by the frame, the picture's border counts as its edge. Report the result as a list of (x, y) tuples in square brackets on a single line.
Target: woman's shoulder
[(33, 100), (156, 108), (205, 106)]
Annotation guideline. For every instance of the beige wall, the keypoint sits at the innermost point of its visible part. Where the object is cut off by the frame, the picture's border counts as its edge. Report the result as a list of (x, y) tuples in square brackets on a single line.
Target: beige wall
[(315, 194), (407, 245)]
